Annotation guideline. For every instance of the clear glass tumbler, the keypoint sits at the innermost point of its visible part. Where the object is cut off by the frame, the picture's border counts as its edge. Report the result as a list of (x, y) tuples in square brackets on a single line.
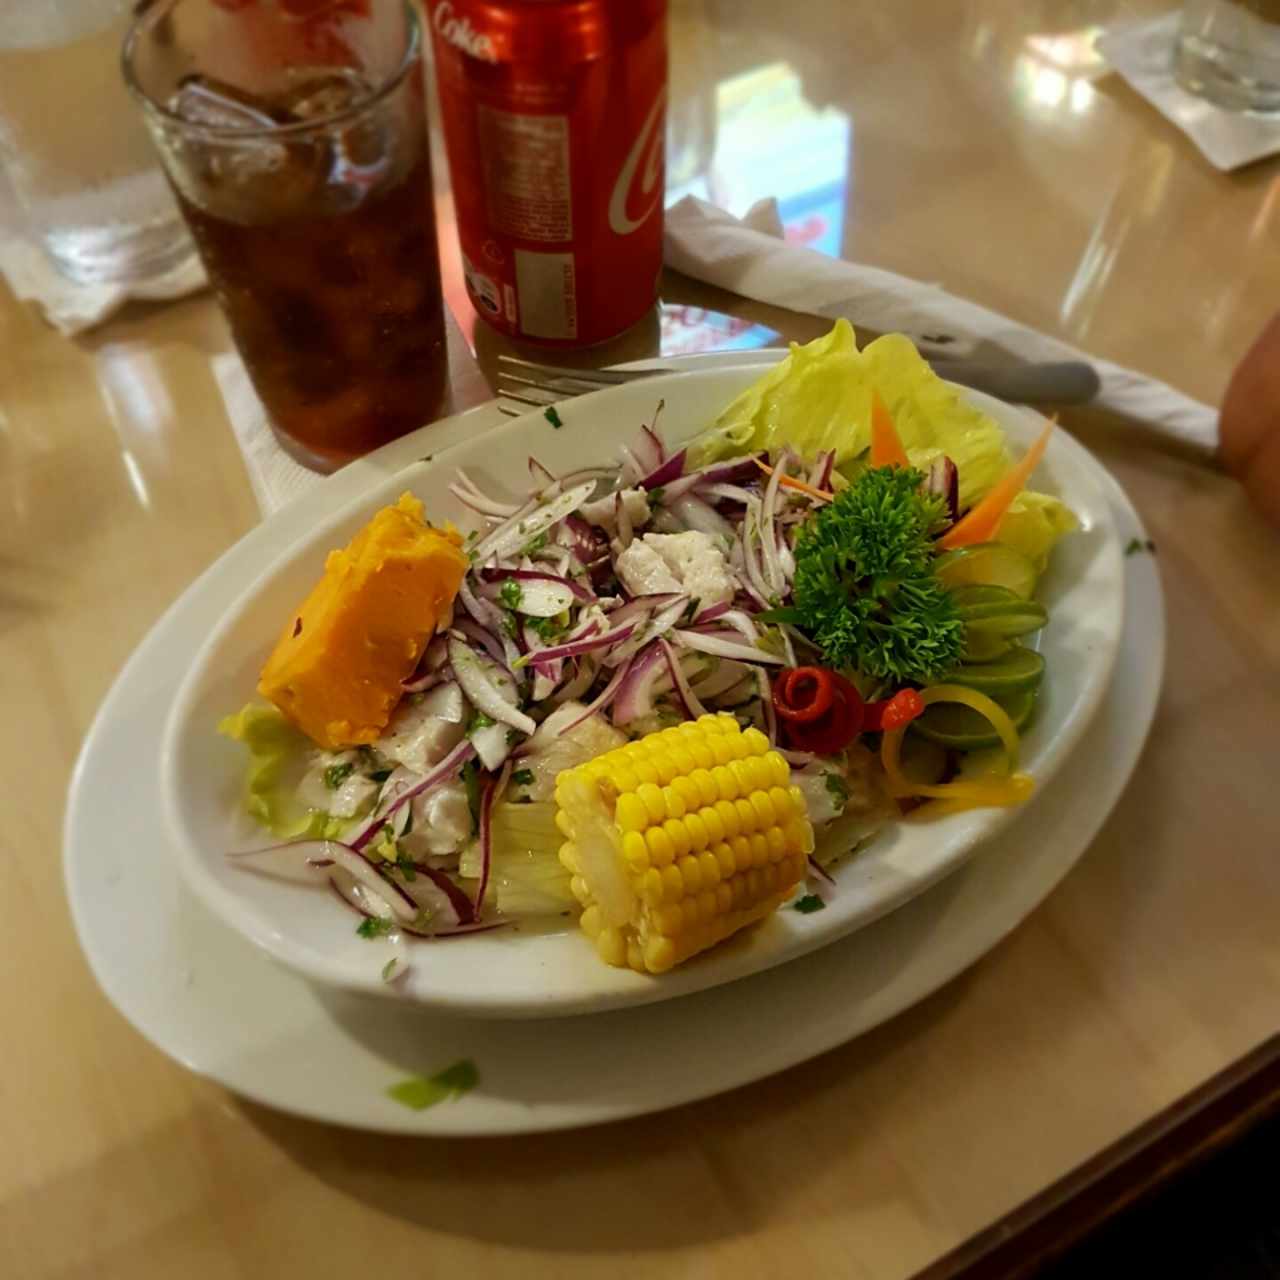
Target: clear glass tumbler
[(295, 135), (1229, 53), (73, 147)]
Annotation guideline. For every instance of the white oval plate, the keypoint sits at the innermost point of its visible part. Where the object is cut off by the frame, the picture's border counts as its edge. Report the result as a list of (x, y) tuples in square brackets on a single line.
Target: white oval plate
[(532, 973)]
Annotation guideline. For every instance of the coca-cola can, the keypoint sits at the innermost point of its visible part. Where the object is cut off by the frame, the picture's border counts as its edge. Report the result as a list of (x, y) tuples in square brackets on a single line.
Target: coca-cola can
[(554, 119)]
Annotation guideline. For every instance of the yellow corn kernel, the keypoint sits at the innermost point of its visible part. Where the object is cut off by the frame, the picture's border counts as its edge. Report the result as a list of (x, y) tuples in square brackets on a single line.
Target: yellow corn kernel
[(631, 814), (661, 850), (699, 837), (746, 816), (562, 822), (708, 792), (726, 783), (651, 887), (728, 816), (777, 844), (645, 772), (650, 796), (679, 834), (779, 769), (759, 850), (724, 857), (722, 749), (703, 756), (636, 852), (673, 803), (757, 743), (612, 946), (713, 823), (766, 815), (689, 792), (672, 884), (691, 874), (741, 847), (710, 867)]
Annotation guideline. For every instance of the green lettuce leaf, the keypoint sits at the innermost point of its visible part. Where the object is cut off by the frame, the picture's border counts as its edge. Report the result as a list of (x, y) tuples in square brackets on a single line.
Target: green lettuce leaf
[(1034, 524), (278, 757), (819, 398)]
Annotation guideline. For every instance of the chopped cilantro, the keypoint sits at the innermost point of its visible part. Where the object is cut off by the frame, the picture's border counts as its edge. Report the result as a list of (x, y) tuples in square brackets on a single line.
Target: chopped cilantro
[(553, 417), (404, 864), (420, 1092), (511, 593), (480, 721), (375, 927), (387, 969), (1136, 546), (838, 790), (535, 544), (510, 625), (336, 774), (546, 629), (656, 496), (523, 777), (808, 904)]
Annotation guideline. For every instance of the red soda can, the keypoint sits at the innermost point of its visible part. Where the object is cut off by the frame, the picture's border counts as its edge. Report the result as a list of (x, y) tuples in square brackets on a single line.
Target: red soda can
[(554, 120)]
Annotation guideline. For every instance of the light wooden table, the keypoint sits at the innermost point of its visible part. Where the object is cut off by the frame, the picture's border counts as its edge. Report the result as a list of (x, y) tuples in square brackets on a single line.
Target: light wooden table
[(967, 148)]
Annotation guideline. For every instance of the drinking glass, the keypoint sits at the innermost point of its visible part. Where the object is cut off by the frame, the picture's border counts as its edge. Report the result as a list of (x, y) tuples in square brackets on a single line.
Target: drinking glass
[(295, 135), (73, 147), (1229, 53)]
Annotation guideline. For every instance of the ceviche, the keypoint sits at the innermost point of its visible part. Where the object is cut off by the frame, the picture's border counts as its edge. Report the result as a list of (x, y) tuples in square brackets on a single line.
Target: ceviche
[(668, 693)]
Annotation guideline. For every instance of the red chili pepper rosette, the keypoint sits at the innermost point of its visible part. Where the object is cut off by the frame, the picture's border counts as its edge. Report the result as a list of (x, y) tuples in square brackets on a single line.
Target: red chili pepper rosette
[(819, 709)]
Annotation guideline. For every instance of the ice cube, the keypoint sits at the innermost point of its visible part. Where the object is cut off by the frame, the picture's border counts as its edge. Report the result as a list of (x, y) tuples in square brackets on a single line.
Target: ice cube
[(202, 100)]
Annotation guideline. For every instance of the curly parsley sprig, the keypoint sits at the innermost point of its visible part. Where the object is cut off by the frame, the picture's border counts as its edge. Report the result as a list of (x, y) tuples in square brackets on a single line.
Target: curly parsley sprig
[(864, 590)]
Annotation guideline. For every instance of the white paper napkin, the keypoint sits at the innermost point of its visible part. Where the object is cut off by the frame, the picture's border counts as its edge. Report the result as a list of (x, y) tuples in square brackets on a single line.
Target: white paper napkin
[(749, 256), (1142, 52), (72, 308)]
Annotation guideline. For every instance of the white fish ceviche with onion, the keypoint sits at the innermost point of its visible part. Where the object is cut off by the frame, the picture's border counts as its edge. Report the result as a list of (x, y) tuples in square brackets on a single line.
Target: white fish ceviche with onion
[(669, 693)]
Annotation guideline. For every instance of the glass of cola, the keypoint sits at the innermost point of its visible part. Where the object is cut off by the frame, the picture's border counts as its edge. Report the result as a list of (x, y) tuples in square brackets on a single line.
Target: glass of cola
[(294, 133)]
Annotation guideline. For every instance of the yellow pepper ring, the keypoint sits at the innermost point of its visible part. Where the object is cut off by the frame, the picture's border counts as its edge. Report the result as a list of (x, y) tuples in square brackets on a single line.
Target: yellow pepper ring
[(967, 793)]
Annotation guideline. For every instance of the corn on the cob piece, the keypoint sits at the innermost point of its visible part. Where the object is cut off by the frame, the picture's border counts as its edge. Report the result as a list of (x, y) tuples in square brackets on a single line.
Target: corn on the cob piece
[(680, 839)]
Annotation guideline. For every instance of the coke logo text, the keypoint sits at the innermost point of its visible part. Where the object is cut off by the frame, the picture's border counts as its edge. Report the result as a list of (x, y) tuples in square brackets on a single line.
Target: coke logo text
[(461, 34), (648, 147)]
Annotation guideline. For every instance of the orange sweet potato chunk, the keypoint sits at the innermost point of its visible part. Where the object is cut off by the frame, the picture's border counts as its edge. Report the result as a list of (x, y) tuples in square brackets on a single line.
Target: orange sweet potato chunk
[(337, 668)]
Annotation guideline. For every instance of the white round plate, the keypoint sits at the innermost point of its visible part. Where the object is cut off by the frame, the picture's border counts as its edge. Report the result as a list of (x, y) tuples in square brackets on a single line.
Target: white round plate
[(537, 971), (213, 1002)]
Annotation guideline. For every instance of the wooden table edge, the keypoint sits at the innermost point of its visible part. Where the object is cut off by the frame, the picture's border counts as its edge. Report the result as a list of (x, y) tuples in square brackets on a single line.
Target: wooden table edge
[(1128, 1172)]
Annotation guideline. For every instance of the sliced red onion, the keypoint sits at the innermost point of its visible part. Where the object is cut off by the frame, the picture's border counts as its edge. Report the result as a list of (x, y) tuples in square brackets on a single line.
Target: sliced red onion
[(482, 692), (433, 893), (443, 935), (579, 592), (944, 480), (817, 871), (490, 643), (488, 616), (734, 618), (826, 468), (299, 861), (587, 644), (602, 700), (640, 607), (657, 625), (541, 595), (467, 493), (623, 523), (579, 683), (656, 443), (714, 612), (539, 474), (635, 694), (730, 493), (721, 647), (632, 468), (374, 906), (516, 532), (766, 701), (667, 470), (686, 696), (767, 522), (361, 870), (700, 516), (420, 684), (734, 471), (446, 769), (493, 789)]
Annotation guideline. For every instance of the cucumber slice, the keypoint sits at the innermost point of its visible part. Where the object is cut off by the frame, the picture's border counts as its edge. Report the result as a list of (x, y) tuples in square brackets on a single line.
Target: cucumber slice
[(962, 728), (979, 596), (989, 563), (1013, 671), (981, 646), (999, 620)]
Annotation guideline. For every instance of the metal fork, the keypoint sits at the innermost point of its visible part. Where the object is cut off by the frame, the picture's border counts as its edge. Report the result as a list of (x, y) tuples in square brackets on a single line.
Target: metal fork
[(525, 384)]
